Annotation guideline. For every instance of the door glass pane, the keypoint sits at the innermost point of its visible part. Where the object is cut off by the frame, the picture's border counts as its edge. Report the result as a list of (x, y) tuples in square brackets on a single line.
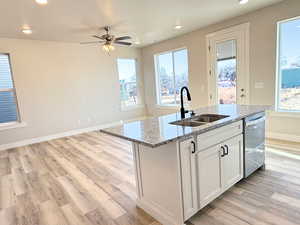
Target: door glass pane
[(166, 79), (5, 73), (8, 107), (226, 72), (181, 71)]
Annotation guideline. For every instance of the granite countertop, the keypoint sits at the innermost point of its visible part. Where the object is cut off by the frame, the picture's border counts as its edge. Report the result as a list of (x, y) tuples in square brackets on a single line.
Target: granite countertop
[(157, 131)]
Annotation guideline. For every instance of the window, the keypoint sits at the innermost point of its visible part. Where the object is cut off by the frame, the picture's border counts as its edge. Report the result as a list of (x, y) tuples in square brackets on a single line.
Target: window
[(172, 75), (288, 90), (8, 100), (128, 82)]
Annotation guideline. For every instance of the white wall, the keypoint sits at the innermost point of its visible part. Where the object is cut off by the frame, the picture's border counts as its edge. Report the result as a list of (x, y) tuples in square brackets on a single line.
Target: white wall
[(60, 84), (262, 61)]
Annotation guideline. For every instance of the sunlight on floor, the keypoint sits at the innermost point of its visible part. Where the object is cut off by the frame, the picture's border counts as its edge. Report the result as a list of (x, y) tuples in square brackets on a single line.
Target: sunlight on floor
[(283, 153)]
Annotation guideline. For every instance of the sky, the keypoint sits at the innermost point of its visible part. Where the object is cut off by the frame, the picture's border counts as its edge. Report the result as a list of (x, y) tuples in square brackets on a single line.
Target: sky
[(290, 39)]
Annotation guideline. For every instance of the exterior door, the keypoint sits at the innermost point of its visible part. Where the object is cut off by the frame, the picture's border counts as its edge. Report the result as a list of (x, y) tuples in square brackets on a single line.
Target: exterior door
[(228, 66)]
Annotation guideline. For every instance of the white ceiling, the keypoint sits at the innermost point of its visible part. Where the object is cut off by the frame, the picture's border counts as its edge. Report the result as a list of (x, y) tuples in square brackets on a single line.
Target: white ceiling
[(148, 21)]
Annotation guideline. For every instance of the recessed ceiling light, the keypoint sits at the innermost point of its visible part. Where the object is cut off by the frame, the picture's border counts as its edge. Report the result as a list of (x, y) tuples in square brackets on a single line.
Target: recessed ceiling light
[(178, 27), (41, 2), (243, 1), (27, 30)]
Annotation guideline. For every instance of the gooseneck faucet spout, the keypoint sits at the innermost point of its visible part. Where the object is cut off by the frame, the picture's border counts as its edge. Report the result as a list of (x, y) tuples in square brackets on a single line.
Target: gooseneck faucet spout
[(182, 110)]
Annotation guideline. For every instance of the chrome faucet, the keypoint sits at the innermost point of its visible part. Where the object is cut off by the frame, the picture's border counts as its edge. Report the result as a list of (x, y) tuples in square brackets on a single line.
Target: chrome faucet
[(182, 110)]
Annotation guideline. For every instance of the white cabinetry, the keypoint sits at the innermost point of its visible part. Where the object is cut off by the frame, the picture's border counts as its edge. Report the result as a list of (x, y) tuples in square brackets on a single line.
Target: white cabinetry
[(208, 174), (175, 180), (219, 168), (188, 174), (210, 166), (232, 162)]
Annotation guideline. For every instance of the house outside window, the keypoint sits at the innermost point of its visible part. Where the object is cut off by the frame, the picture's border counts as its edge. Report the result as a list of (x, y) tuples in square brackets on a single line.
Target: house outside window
[(171, 76), (8, 100), (288, 65), (129, 92)]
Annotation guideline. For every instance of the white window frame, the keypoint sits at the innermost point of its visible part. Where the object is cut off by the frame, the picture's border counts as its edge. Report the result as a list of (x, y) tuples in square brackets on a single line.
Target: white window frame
[(139, 103), (157, 82), (278, 71), (18, 122)]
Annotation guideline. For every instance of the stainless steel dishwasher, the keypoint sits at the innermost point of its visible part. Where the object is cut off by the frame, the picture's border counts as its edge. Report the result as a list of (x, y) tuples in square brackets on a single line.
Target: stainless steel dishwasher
[(254, 143)]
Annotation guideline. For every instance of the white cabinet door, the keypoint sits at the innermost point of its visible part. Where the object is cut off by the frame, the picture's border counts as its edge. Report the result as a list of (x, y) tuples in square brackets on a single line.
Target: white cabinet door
[(209, 174), (188, 177), (232, 162)]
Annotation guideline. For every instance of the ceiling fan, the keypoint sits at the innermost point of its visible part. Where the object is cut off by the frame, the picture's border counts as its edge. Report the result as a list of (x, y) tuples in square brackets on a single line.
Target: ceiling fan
[(108, 40)]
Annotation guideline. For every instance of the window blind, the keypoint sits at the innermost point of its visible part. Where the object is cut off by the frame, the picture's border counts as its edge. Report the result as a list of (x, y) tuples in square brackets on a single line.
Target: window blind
[(8, 104)]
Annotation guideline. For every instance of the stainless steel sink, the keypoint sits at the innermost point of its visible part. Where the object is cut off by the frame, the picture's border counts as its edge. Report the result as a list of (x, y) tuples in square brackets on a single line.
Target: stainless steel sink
[(188, 123), (199, 120), (208, 118)]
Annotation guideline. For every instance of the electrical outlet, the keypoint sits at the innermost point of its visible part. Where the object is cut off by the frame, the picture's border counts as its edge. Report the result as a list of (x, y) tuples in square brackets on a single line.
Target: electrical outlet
[(259, 85)]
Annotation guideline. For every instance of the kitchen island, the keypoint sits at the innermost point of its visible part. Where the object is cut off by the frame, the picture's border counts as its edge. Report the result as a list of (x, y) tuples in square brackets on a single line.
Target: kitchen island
[(183, 165)]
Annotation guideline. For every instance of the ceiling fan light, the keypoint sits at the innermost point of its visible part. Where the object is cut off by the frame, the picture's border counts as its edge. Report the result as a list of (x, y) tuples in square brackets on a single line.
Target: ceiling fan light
[(243, 1), (177, 27), (27, 30), (111, 47), (42, 2), (108, 48)]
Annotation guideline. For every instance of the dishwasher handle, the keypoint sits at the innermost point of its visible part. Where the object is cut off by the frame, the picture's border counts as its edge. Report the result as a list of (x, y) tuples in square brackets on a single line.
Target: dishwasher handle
[(255, 121)]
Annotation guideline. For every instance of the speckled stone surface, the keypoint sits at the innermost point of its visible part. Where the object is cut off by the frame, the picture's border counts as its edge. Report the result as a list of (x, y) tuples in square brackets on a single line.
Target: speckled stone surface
[(157, 131)]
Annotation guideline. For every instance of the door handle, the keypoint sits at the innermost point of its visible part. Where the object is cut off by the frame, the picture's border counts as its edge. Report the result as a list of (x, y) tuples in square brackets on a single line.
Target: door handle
[(194, 147), (226, 149), (223, 151)]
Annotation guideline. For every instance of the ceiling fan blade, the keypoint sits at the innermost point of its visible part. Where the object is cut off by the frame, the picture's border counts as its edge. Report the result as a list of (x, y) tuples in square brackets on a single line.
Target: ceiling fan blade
[(122, 38), (122, 43), (91, 42), (96, 36)]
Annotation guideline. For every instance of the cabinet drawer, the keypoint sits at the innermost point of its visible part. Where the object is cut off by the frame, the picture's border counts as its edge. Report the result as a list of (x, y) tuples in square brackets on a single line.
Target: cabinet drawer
[(219, 135)]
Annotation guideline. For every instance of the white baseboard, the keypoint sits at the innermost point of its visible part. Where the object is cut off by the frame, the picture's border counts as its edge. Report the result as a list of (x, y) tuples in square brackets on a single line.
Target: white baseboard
[(282, 136), (63, 134)]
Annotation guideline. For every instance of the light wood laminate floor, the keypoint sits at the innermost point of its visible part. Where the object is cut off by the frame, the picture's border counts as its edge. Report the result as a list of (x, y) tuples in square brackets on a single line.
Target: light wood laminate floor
[(88, 179)]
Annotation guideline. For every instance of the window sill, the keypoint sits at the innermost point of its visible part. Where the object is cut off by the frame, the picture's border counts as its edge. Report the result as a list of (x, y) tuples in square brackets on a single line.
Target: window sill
[(12, 125), (175, 107), (134, 107)]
